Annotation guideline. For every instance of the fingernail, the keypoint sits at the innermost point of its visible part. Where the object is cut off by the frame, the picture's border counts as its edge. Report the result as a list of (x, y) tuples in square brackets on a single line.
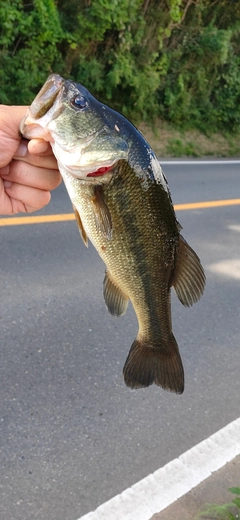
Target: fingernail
[(7, 184), (35, 146), (21, 151), (5, 170)]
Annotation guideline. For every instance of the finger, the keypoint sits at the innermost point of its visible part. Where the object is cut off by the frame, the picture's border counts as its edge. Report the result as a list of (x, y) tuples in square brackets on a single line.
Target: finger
[(4, 170), (39, 146), (26, 199), (5, 201), (42, 161), (33, 176), (11, 117)]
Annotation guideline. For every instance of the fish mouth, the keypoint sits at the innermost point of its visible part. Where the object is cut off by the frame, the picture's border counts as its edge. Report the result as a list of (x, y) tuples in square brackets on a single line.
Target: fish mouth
[(101, 171), (41, 109), (83, 157), (46, 96), (85, 171)]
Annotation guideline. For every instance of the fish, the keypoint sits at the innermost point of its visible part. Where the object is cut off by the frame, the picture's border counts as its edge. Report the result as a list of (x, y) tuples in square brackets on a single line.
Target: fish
[(123, 205)]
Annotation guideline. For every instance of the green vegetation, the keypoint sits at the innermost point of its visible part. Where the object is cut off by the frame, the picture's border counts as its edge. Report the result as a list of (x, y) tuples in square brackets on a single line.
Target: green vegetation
[(177, 60), (177, 148), (168, 140), (29, 35), (229, 511)]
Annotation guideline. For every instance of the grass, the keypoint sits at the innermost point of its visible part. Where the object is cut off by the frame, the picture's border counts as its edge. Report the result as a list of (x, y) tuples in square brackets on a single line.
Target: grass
[(229, 511), (168, 141)]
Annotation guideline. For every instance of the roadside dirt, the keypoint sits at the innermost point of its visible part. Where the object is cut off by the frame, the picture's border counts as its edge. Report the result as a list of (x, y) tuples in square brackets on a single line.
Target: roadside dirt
[(167, 141), (213, 490)]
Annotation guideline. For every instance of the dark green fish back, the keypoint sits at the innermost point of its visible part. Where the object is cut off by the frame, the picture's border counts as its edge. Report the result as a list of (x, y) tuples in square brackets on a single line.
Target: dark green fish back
[(128, 215), (140, 259)]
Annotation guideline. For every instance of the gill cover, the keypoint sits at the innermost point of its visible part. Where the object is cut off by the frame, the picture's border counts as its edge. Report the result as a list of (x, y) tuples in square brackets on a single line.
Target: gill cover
[(82, 136)]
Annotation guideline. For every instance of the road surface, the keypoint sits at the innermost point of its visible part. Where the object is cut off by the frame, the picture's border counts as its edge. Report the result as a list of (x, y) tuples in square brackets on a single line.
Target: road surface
[(71, 434)]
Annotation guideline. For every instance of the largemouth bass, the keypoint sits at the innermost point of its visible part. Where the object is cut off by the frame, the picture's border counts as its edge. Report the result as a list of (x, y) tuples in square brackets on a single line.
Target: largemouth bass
[(123, 205)]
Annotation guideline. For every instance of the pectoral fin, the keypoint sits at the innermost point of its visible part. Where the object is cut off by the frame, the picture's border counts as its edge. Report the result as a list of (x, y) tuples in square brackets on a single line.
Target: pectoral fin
[(114, 297), (80, 227), (189, 277), (102, 214)]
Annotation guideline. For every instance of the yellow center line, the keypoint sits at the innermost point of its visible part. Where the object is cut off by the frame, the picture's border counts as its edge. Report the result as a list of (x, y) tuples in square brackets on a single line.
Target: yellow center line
[(207, 204), (42, 219)]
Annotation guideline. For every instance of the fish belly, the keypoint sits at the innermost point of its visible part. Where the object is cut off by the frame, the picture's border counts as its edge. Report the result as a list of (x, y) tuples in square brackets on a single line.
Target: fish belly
[(139, 259)]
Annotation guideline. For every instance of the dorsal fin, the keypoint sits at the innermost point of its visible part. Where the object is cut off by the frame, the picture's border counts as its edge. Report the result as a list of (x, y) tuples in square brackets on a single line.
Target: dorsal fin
[(115, 299), (80, 227), (189, 278)]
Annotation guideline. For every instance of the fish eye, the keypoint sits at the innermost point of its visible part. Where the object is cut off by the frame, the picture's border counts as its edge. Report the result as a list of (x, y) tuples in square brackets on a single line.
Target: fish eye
[(79, 102)]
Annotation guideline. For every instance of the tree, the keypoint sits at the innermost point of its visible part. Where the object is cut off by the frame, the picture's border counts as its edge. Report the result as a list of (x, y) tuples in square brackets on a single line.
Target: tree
[(29, 34), (177, 59)]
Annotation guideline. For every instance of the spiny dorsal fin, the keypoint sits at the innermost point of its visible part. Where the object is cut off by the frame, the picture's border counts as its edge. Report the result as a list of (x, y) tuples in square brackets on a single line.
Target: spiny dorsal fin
[(102, 214), (80, 227), (189, 277), (115, 299)]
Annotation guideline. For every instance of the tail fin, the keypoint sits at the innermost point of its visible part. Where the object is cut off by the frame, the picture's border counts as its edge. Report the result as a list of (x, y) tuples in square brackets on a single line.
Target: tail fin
[(146, 365)]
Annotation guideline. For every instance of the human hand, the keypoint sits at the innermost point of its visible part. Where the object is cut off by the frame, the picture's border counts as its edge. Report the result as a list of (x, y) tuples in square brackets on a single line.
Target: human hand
[(28, 170)]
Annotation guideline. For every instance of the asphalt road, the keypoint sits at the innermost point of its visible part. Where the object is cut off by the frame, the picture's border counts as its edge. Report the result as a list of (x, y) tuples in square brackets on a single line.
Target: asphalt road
[(71, 434)]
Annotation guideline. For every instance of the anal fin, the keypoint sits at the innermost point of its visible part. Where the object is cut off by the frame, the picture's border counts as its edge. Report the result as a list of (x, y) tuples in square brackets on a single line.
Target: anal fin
[(114, 297), (189, 278), (80, 227)]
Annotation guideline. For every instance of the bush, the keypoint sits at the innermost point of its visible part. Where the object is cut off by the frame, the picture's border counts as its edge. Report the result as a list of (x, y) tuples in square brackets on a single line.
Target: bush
[(177, 59), (29, 33)]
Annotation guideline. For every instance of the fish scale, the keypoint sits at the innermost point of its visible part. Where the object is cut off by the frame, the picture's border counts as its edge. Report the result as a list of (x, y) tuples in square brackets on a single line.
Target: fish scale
[(143, 246), (123, 205)]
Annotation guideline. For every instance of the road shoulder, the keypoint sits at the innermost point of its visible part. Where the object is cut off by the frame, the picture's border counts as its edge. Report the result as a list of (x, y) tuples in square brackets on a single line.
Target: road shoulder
[(213, 490)]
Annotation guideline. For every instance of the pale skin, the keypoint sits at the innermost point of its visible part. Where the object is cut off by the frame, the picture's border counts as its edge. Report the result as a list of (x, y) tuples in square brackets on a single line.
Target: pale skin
[(28, 169)]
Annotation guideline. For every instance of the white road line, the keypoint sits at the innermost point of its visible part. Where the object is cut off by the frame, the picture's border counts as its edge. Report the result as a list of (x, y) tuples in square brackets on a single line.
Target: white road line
[(200, 161), (163, 487)]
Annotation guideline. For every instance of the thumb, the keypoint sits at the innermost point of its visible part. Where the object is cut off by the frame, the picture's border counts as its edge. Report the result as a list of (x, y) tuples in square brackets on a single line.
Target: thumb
[(10, 119)]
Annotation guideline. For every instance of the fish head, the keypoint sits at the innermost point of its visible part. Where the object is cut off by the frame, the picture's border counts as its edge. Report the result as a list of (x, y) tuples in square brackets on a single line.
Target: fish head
[(85, 141)]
